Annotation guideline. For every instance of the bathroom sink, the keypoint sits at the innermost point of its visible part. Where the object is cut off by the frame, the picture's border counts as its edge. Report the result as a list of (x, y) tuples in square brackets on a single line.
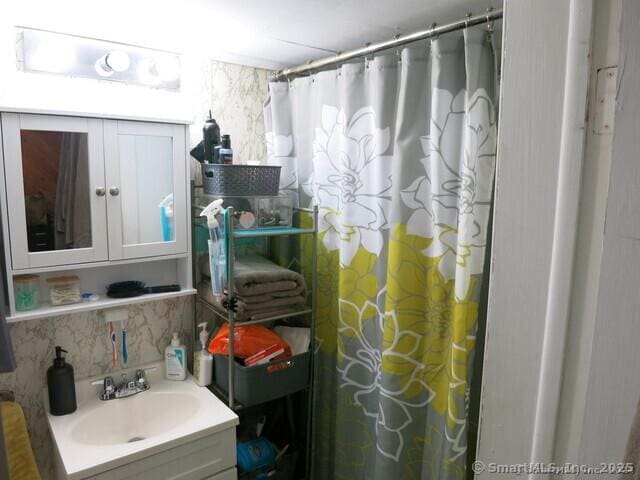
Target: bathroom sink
[(135, 418), (104, 435)]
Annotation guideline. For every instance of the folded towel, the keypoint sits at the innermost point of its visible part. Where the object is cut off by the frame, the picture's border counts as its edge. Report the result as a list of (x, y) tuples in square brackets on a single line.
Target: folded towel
[(250, 310), (20, 459), (256, 275), (632, 454)]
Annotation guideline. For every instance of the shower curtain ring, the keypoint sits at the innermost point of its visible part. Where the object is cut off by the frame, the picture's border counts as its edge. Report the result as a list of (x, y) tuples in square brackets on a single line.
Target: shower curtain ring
[(489, 20), (466, 19), (433, 29), (367, 58)]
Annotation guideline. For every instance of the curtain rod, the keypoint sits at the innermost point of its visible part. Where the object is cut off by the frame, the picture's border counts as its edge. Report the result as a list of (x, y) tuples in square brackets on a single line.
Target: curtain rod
[(433, 31)]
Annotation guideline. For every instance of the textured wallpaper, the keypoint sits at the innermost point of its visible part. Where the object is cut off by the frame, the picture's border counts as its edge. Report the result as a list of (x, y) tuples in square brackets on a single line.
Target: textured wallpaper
[(235, 94), (85, 336)]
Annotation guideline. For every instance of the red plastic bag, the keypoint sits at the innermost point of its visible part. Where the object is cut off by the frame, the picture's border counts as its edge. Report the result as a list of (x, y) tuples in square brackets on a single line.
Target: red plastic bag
[(249, 340)]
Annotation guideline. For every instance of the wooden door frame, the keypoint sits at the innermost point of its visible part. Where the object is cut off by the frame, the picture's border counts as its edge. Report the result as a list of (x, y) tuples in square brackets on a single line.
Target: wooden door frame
[(543, 104)]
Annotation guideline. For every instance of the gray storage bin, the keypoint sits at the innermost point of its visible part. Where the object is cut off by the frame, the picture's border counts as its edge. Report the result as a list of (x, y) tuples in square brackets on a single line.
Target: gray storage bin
[(261, 383), (240, 180)]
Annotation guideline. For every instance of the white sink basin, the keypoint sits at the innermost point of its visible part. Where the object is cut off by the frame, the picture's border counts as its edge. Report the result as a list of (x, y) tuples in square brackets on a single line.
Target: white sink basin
[(101, 435), (136, 418)]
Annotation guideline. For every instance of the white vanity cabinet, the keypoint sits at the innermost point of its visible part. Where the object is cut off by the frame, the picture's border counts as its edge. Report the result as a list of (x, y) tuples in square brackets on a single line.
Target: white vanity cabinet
[(145, 169), (93, 197), (55, 175), (85, 190)]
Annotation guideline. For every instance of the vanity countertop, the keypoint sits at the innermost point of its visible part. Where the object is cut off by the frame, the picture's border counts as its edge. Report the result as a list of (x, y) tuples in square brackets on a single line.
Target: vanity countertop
[(102, 435)]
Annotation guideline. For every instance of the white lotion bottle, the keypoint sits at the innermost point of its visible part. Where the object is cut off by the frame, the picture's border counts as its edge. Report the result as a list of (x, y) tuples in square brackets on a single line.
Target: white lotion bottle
[(175, 359), (203, 360)]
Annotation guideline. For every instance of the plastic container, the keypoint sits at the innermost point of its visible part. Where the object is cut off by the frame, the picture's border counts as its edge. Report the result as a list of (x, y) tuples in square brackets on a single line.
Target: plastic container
[(261, 383), (275, 212), (254, 212), (64, 290), (255, 454), (26, 291), (240, 180), (282, 469)]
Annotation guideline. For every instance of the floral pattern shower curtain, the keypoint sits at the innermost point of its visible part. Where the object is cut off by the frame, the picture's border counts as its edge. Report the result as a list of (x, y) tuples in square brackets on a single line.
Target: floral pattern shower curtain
[(398, 152)]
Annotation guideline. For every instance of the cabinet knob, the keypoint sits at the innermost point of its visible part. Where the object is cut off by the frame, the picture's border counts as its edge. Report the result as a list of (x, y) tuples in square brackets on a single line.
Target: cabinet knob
[(100, 191), (114, 191)]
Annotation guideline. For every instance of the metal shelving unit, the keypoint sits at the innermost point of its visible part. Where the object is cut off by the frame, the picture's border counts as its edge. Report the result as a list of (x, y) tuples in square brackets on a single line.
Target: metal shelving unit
[(230, 237)]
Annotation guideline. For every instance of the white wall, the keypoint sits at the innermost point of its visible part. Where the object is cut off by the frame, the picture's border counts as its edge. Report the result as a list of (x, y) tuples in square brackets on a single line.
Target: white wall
[(611, 379)]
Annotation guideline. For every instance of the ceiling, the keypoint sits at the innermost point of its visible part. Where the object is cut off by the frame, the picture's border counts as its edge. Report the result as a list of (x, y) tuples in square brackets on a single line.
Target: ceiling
[(290, 32), (273, 34)]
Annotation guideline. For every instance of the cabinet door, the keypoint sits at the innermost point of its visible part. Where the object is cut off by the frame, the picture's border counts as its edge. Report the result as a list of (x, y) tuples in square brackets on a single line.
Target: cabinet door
[(54, 170), (146, 189)]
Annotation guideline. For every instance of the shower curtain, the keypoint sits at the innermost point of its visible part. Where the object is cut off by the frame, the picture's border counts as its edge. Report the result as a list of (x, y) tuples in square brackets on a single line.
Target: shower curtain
[(72, 217), (398, 152)]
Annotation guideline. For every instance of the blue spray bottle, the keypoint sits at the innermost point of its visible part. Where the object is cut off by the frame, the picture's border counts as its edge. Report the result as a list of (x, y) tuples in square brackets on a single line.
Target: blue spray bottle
[(216, 247)]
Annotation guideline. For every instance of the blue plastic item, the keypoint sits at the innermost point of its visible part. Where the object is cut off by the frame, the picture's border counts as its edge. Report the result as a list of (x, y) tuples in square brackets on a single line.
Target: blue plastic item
[(166, 218), (255, 454), (167, 225)]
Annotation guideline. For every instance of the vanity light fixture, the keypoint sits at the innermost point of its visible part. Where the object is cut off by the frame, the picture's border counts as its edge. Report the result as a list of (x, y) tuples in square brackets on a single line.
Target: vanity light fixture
[(49, 52), (116, 61), (56, 56)]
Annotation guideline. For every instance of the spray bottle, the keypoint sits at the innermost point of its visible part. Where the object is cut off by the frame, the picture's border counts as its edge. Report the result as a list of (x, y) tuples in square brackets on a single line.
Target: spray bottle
[(166, 218), (202, 359), (216, 247)]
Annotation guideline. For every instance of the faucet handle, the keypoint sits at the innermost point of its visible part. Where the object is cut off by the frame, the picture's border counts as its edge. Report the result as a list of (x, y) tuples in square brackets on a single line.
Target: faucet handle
[(108, 388), (141, 379)]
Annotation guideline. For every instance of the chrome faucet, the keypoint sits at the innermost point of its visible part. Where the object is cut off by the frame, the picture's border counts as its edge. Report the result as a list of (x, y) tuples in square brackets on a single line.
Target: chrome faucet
[(126, 388)]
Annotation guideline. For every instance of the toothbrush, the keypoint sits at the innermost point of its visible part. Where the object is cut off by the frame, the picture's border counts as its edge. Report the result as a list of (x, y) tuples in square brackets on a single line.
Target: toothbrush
[(125, 347), (114, 345)]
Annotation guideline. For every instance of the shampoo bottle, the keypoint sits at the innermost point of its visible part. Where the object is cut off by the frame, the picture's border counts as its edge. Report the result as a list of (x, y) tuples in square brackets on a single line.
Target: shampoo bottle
[(203, 360), (225, 154), (175, 359), (211, 137)]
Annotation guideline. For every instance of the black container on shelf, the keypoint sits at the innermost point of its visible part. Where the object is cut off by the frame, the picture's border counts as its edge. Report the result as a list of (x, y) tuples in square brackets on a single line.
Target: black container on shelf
[(261, 383), (211, 137), (61, 386)]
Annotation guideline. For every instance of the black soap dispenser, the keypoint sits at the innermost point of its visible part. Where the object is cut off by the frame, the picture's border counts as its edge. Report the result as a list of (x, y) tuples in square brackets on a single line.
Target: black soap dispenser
[(62, 388)]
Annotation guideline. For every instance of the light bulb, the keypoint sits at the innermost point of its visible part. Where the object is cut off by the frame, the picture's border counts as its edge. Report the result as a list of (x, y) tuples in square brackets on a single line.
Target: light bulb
[(147, 73), (54, 56), (118, 61), (168, 67)]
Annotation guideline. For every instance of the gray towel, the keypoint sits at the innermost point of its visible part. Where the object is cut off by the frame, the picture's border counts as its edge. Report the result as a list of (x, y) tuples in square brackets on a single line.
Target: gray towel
[(7, 357), (255, 275), (632, 454)]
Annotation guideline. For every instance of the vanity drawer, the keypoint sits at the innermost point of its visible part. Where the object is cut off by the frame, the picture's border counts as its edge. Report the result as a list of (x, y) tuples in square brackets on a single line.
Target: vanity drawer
[(204, 458)]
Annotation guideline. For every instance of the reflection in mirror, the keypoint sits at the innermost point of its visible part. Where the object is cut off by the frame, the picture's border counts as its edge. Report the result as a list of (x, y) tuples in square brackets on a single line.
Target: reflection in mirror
[(146, 176), (55, 168)]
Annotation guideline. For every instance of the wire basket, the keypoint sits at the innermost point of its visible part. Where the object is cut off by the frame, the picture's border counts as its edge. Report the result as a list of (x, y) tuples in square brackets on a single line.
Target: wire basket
[(240, 180)]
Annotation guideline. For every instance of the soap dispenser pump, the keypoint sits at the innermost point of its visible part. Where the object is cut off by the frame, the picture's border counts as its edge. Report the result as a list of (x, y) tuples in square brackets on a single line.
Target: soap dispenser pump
[(203, 360), (61, 385), (175, 359)]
